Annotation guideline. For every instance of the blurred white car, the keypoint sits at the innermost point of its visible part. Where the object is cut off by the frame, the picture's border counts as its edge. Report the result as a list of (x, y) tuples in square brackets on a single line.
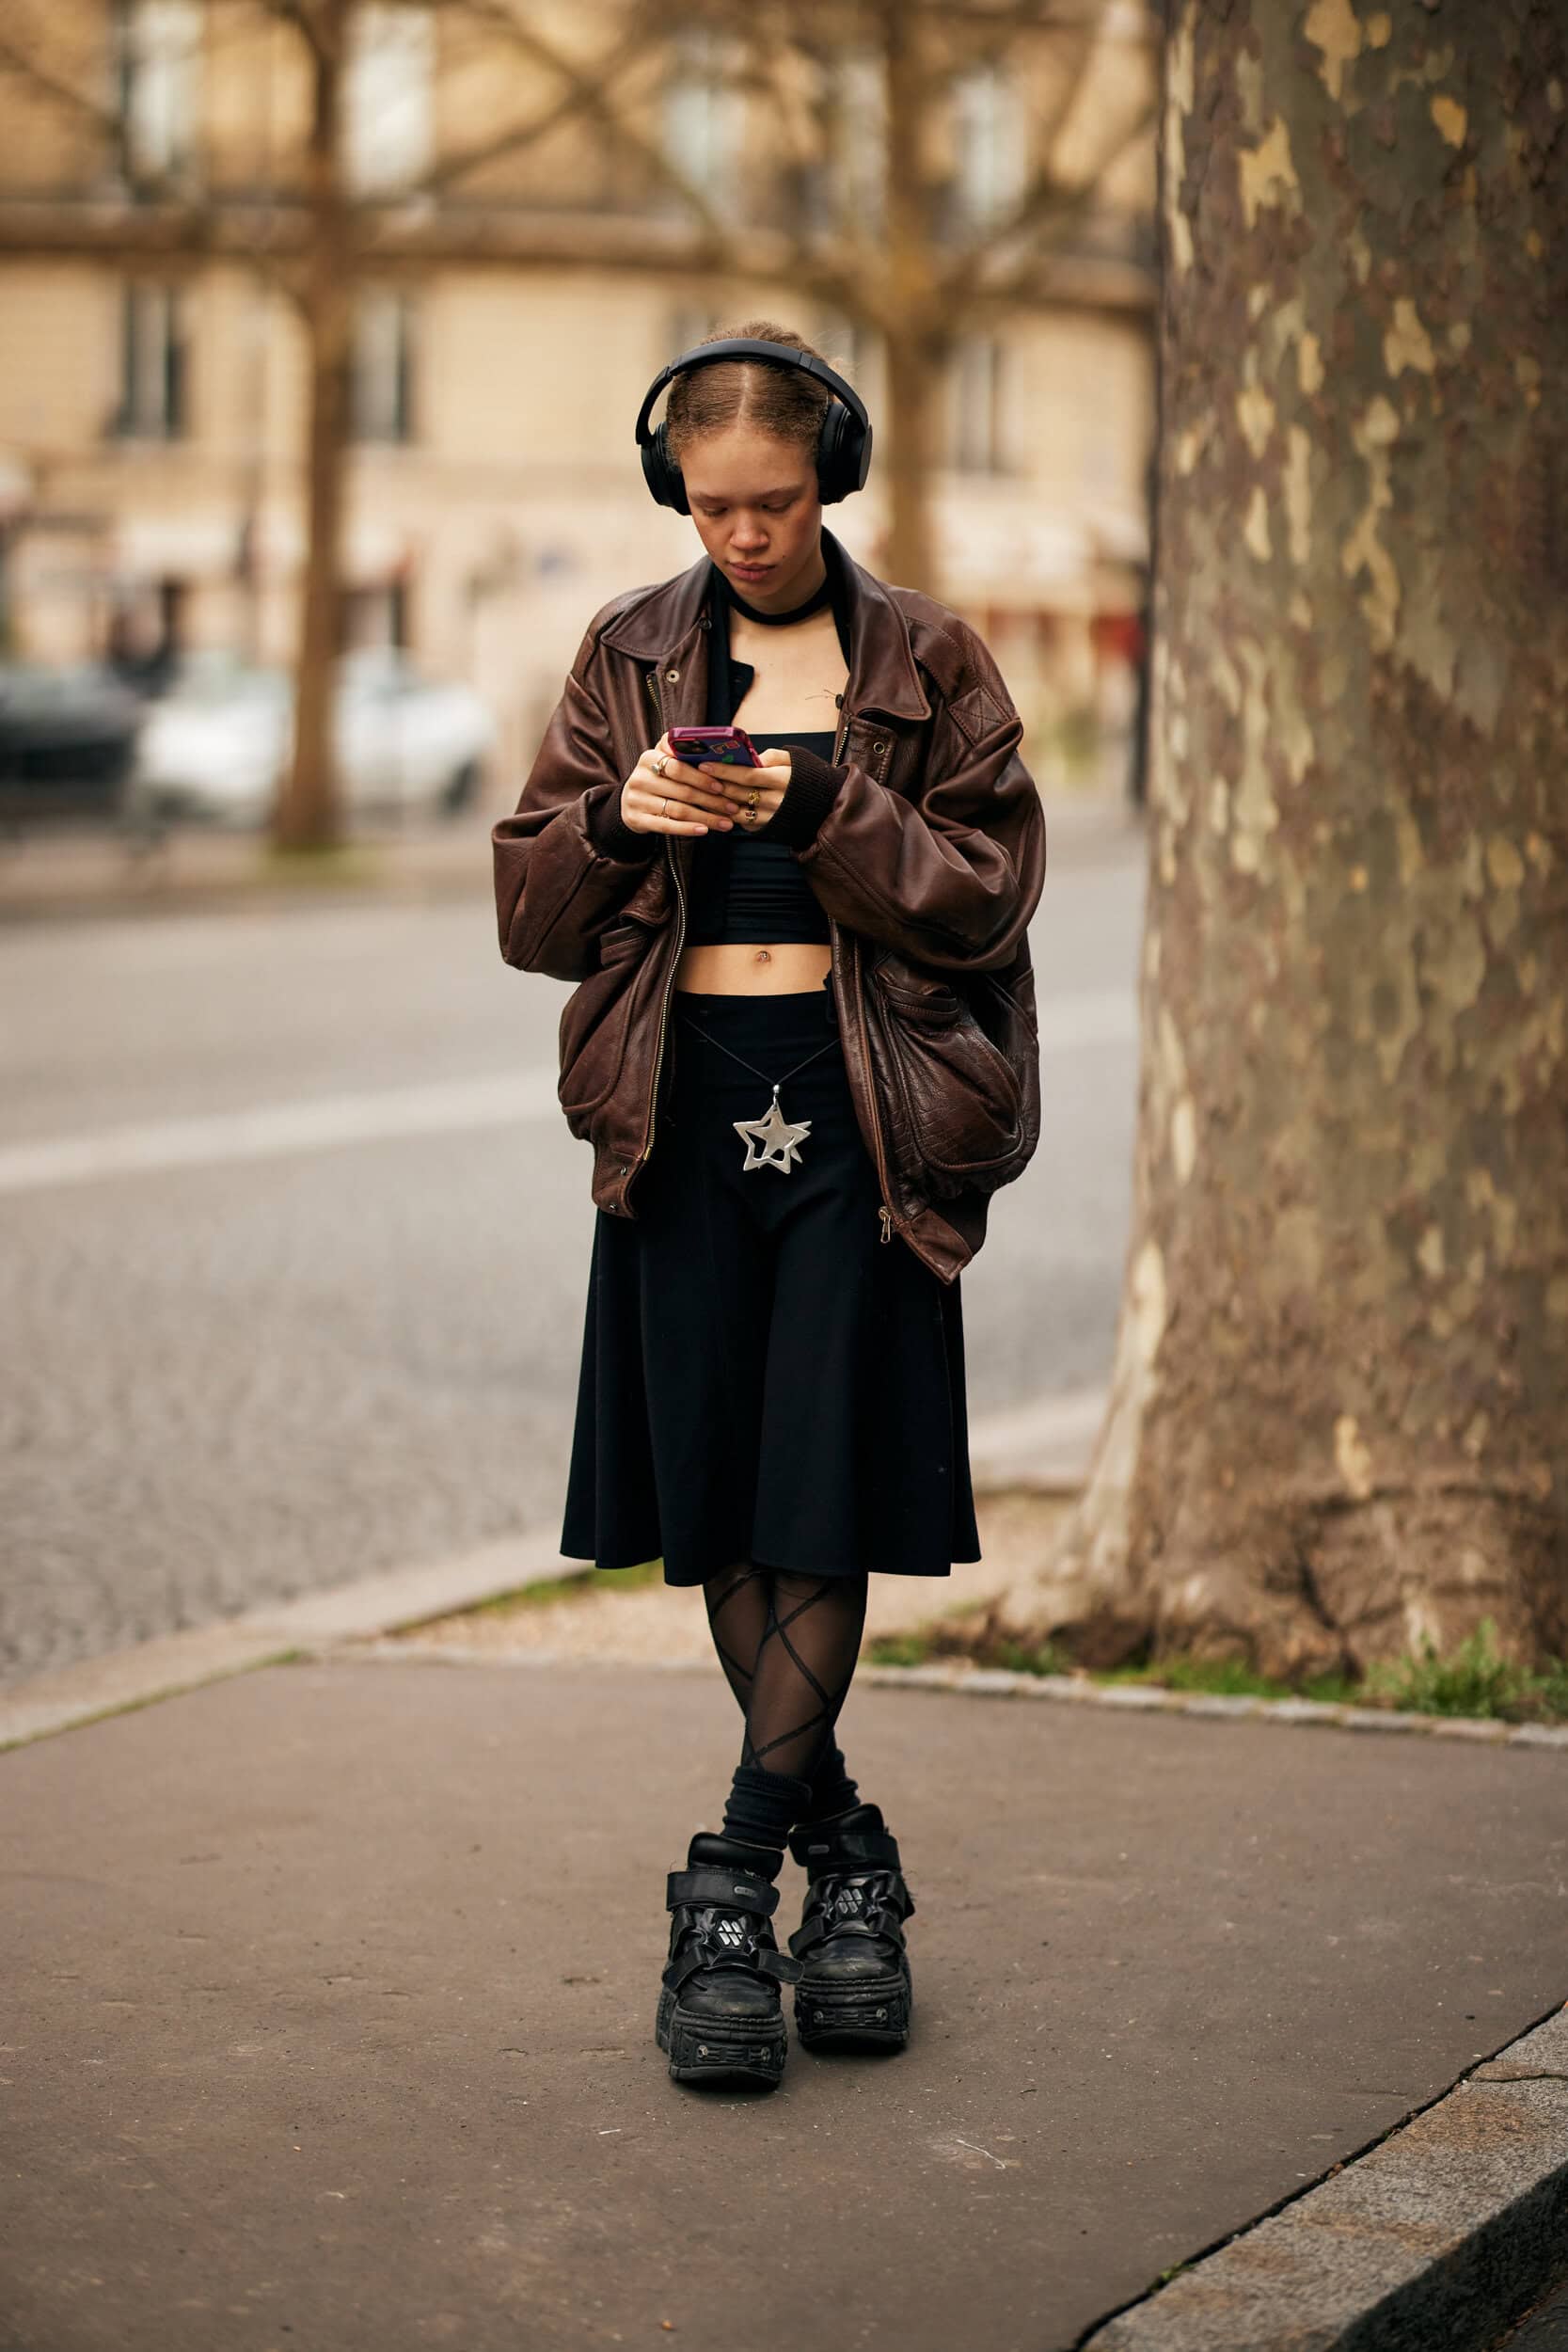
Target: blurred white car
[(217, 744)]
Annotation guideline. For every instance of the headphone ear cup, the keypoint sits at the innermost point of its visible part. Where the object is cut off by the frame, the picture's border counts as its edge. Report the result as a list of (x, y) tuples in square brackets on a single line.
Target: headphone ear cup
[(843, 455), (661, 472)]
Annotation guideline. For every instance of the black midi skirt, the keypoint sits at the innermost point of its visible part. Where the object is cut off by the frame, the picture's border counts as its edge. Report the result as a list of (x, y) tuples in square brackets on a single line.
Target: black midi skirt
[(763, 1377)]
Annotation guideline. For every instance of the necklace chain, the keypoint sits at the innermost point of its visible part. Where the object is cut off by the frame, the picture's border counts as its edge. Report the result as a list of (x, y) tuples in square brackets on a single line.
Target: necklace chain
[(774, 1083)]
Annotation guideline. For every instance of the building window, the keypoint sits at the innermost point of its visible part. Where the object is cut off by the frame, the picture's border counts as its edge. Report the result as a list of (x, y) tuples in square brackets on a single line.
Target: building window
[(389, 113), (381, 406), (989, 162), (152, 363), (976, 441), (159, 47), (704, 112)]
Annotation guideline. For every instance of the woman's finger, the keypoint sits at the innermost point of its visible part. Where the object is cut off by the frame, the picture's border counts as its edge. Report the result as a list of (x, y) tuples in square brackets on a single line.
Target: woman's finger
[(662, 807), (699, 777), (674, 781)]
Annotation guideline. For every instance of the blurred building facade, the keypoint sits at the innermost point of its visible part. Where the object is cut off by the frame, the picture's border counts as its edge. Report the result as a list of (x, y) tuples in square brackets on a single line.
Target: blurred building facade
[(524, 286)]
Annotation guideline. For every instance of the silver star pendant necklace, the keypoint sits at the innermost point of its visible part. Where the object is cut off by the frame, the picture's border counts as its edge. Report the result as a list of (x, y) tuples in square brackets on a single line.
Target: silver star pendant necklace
[(779, 1136)]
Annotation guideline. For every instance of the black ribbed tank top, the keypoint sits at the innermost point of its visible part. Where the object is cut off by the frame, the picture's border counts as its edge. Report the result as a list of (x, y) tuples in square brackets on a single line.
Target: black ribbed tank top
[(743, 889)]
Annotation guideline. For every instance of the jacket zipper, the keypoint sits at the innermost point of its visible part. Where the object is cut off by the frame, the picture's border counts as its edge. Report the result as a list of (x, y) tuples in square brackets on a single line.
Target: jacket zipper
[(670, 986), (884, 1212), (669, 993)]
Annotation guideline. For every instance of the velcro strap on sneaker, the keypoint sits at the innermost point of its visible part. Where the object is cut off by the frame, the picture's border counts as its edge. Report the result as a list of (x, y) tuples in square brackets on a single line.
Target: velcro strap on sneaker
[(780, 1964), (678, 1971), (846, 1850), (729, 1888), (854, 1903)]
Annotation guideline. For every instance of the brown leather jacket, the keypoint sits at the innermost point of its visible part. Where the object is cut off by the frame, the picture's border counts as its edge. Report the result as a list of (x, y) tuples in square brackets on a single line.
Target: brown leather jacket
[(923, 840)]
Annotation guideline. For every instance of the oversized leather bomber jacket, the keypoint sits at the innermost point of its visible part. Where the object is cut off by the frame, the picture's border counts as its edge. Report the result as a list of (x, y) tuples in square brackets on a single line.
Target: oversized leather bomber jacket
[(923, 840)]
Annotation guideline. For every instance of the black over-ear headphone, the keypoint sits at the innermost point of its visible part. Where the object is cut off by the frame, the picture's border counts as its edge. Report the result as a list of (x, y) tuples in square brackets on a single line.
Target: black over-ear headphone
[(842, 448)]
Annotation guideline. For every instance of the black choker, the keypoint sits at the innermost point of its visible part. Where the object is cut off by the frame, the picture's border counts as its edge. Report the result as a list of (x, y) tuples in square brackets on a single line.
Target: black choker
[(778, 620)]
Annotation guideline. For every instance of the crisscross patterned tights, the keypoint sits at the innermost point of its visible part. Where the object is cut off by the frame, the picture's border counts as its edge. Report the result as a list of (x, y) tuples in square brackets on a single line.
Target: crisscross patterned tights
[(788, 1643)]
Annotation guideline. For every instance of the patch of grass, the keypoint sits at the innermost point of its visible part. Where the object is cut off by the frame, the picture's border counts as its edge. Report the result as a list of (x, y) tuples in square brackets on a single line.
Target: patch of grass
[(1552, 1690), (1473, 1679), (947, 1638), (898, 1649), (348, 863), (576, 1585), (1232, 1677)]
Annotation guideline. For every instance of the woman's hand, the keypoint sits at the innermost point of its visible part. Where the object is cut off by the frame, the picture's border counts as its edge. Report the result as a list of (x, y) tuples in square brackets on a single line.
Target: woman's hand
[(738, 783), (663, 795)]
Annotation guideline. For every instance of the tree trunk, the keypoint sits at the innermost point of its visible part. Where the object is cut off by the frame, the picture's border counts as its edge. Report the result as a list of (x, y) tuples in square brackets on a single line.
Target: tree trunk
[(915, 364), (308, 816), (914, 354), (1338, 1412)]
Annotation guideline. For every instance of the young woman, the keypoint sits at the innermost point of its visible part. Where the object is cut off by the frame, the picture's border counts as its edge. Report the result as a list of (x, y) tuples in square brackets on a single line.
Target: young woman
[(770, 1399)]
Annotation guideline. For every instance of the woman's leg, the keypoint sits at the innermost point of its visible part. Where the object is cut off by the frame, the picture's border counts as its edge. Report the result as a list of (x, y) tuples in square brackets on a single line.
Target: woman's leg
[(788, 1643), (739, 1601)]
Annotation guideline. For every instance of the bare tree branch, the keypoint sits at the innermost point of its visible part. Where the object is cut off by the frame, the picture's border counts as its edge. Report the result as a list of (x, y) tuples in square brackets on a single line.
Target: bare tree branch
[(21, 56), (459, 162), (1057, 211), (594, 103)]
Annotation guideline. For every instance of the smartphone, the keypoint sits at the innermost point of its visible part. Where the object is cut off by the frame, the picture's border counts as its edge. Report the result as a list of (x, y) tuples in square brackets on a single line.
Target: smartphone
[(730, 746)]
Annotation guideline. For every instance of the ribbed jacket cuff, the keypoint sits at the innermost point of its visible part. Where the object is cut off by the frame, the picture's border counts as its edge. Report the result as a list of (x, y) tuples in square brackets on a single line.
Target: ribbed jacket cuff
[(611, 835), (815, 784)]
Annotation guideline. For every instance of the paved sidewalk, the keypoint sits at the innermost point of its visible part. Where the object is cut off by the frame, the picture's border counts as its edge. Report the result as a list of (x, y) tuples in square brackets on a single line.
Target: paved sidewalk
[(85, 873), (331, 1992)]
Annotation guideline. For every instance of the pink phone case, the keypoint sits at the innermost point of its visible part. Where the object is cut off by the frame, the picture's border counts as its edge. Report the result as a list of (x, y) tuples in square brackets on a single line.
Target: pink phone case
[(729, 747)]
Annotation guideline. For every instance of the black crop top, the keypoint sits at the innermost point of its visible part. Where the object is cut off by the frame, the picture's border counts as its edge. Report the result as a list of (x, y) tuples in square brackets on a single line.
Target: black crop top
[(743, 888)]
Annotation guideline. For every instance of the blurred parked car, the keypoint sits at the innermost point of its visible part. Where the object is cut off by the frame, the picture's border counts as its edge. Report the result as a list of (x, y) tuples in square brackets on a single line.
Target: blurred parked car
[(218, 741), (67, 741)]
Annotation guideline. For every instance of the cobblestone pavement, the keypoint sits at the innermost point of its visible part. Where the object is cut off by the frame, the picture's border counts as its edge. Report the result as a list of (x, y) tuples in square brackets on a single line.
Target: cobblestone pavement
[(335, 1325)]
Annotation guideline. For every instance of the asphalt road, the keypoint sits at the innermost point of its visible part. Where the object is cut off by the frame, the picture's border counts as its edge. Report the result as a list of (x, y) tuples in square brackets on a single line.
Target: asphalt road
[(297, 1243)]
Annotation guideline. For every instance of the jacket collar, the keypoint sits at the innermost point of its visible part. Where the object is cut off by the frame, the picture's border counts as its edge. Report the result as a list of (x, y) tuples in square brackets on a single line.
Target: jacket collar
[(882, 672)]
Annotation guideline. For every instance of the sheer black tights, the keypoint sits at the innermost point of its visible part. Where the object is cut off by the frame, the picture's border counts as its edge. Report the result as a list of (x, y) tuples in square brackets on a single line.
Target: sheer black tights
[(788, 1645)]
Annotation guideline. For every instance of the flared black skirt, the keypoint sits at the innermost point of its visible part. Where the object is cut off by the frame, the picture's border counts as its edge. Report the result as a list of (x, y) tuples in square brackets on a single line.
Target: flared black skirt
[(763, 1377)]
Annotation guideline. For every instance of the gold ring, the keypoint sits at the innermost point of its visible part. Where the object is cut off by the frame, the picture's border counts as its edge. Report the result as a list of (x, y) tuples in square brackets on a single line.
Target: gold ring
[(658, 762)]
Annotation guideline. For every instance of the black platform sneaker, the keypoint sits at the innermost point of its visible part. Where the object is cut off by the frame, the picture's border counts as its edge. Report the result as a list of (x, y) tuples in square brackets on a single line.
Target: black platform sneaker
[(854, 1992), (720, 2016)]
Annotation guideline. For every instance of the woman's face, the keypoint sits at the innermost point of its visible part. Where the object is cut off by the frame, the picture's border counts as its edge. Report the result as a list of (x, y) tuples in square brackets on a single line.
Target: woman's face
[(753, 499)]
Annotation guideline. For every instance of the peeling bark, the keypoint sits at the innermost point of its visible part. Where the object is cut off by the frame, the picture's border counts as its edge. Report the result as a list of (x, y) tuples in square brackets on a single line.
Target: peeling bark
[(1338, 1417)]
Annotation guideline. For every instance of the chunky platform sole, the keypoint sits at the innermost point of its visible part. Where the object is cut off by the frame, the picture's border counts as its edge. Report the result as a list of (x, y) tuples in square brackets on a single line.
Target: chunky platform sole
[(873, 2017), (701, 2050)]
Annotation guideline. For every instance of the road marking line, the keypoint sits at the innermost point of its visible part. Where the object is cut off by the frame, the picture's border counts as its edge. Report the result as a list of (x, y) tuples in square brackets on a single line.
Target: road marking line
[(275, 1130), (279, 1128)]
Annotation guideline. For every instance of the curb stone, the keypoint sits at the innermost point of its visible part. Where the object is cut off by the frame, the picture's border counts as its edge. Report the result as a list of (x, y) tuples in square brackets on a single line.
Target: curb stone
[(364, 1606), (1041, 1446), (1433, 2240), (993, 1682), (354, 1622)]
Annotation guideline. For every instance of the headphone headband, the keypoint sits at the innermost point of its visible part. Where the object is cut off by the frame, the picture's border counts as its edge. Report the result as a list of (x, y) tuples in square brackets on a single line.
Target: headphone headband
[(844, 444)]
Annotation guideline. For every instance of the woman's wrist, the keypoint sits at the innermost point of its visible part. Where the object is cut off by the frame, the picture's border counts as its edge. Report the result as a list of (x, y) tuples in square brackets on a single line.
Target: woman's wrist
[(609, 832), (815, 784)]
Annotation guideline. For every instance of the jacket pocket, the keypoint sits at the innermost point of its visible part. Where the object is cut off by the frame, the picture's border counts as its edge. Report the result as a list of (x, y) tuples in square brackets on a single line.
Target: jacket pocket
[(958, 1099), (599, 1017)]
